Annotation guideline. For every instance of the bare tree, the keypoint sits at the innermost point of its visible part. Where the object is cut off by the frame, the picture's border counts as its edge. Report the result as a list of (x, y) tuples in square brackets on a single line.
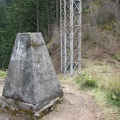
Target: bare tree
[(37, 13), (117, 10)]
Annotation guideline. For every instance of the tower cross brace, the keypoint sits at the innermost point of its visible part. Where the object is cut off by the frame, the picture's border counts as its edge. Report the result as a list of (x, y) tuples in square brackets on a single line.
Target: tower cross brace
[(70, 32)]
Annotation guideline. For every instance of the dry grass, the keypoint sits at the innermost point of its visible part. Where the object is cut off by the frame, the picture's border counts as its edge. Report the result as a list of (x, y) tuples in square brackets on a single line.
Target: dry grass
[(107, 92), (101, 29), (99, 79)]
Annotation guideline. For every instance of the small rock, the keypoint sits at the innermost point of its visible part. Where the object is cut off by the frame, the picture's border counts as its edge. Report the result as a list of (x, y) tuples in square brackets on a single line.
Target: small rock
[(13, 108), (52, 108), (7, 118), (46, 110), (37, 114), (71, 103), (3, 106), (71, 92)]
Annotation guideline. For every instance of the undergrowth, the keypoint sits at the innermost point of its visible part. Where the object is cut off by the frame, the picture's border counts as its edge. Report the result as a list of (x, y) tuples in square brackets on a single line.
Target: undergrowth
[(86, 80), (2, 74), (105, 84), (113, 89)]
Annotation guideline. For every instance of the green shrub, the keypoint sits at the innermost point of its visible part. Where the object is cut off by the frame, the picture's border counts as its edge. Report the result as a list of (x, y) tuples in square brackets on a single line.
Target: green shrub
[(2, 73), (104, 19), (117, 56), (86, 80), (113, 88), (86, 36), (108, 26)]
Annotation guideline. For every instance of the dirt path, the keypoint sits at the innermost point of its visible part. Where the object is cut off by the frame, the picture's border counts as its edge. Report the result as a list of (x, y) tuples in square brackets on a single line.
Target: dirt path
[(76, 105)]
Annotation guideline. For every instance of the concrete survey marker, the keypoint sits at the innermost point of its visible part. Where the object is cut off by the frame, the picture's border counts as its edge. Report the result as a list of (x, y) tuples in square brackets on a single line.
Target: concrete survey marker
[(31, 83)]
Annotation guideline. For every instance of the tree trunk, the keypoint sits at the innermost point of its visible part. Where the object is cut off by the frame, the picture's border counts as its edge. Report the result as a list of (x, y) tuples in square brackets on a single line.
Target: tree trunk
[(37, 13), (117, 10), (48, 9), (57, 12)]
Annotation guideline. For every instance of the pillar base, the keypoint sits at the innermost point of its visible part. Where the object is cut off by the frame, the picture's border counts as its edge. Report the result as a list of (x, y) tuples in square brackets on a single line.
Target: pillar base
[(7, 102)]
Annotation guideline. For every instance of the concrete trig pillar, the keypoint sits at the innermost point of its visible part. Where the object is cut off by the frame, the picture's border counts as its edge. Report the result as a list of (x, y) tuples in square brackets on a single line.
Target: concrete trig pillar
[(31, 82)]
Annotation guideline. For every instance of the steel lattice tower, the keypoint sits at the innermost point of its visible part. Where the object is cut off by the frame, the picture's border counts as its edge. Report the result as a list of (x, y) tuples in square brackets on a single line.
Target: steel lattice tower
[(70, 22)]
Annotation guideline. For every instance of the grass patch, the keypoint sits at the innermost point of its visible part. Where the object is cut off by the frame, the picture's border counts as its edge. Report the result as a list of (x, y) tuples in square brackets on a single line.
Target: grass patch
[(113, 89), (108, 107), (2, 74), (117, 56), (105, 84), (86, 80)]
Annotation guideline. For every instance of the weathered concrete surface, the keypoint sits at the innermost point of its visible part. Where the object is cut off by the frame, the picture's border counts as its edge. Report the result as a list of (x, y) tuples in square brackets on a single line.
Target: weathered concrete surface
[(31, 77)]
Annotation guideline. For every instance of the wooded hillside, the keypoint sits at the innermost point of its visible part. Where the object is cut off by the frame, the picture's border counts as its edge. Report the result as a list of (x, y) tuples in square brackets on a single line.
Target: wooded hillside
[(100, 29), (25, 16)]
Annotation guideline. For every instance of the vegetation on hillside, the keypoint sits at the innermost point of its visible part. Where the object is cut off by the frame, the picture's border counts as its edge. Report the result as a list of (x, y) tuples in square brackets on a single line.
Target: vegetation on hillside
[(101, 29), (25, 16), (2, 74), (102, 81)]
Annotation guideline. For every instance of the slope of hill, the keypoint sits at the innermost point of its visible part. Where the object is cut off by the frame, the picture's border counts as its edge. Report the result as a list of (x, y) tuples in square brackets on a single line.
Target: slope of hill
[(101, 29), (100, 32)]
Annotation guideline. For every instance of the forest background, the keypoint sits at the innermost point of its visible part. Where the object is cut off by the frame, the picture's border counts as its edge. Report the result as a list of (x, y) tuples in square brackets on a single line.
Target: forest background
[(100, 26)]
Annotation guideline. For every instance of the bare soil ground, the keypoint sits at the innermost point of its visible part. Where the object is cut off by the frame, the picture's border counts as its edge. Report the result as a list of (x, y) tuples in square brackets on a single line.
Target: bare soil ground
[(76, 105)]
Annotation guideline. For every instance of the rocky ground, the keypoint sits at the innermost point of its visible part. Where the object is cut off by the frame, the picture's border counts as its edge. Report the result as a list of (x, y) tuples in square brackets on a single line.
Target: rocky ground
[(76, 105)]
